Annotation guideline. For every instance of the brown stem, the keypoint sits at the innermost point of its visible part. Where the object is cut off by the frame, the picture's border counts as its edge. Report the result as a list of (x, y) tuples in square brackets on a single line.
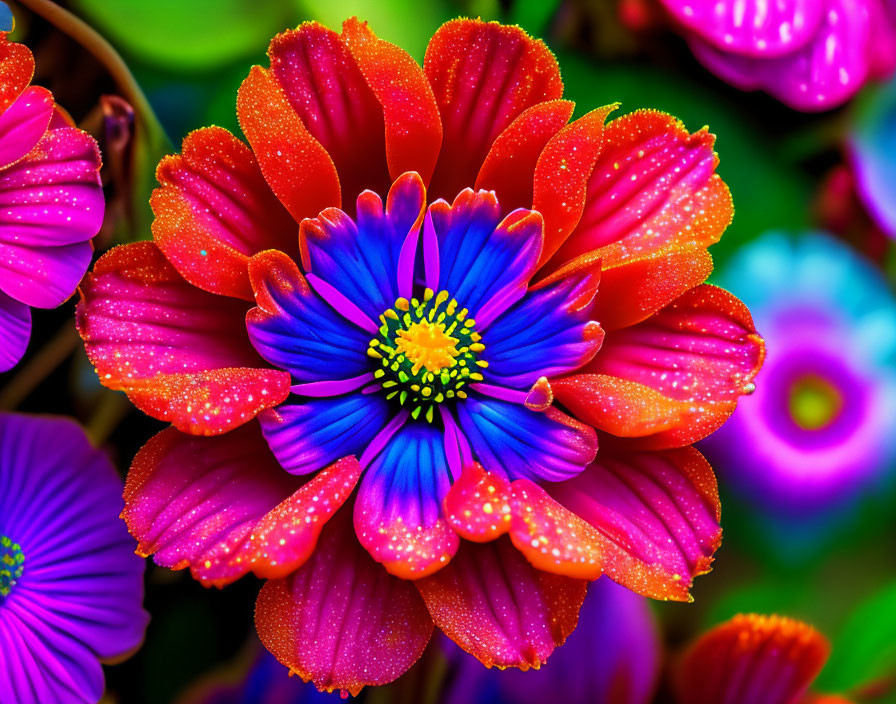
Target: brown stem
[(102, 51)]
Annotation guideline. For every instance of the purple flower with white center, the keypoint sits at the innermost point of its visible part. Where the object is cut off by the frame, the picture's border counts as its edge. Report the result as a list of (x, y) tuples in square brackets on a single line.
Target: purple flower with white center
[(71, 587), (819, 429)]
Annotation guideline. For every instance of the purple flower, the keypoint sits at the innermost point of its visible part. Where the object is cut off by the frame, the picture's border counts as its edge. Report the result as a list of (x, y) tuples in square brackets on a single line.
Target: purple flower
[(819, 428), (51, 201), (810, 54), (71, 587)]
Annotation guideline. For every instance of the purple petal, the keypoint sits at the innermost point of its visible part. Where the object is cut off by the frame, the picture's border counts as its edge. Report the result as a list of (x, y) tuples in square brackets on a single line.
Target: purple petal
[(15, 331), (365, 261), (79, 598), (398, 512), (512, 440), (307, 436), (484, 262)]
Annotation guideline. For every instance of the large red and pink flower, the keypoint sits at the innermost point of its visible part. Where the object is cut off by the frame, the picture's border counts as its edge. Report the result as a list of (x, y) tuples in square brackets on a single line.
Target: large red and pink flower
[(390, 334)]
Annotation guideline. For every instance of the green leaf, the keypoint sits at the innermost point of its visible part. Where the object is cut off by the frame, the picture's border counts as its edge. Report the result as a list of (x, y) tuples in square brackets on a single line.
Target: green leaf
[(407, 23), (188, 35), (865, 649)]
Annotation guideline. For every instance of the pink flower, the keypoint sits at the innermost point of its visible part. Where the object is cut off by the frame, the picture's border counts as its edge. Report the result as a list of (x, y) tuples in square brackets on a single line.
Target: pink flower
[(51, 201), (810, 54)]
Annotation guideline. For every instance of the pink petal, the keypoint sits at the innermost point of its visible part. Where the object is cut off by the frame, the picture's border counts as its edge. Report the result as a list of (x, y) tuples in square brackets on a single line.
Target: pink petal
[(53, 197), (341, 621), (481, 506), (821, 75), (751, 27), (657, 512), (654, 185), (51, 203), (180, 353), (499, 608), (24, 123), (214, 210)]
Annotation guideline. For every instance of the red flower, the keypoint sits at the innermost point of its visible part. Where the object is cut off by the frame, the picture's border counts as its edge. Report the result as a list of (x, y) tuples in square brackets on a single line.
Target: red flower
[(601, 222)]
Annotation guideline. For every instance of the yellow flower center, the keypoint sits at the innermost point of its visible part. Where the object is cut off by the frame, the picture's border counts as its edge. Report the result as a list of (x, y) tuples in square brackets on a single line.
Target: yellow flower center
[(426, 344), (426, 351)]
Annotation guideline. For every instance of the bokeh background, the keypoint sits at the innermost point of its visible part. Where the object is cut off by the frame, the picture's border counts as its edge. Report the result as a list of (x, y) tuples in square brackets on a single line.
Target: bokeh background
[(181, 62)]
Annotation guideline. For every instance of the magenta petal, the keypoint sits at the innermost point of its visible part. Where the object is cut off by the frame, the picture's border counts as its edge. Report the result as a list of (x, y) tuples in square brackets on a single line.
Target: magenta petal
[(750, 27), (51, 204), (24, 123), (820, 76), (194, 501), (340, 620), (53, 197), (15, 330), (45, 277)]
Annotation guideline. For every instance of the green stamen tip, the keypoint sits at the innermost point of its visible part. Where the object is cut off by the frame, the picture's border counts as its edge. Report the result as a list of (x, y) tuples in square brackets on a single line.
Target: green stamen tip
[(427, 350), (12, 565)]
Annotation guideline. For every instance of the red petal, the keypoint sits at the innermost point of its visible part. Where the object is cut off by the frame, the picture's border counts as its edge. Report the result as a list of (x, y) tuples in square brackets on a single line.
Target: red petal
[(181, 354), (750, 659), (676, 376), (562, 175), (413, 126), (215, 210), (638, 287), (482, 506), (499, 608), (653, 185), (483, 75), (341, 621), (329, 94), (295, 165), (509, 167), (657, 514), (16, 69)]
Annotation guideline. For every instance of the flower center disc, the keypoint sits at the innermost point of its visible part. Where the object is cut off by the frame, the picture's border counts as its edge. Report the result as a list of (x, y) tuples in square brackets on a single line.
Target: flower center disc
[(428, 350), (12, 564), (814, 403)]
